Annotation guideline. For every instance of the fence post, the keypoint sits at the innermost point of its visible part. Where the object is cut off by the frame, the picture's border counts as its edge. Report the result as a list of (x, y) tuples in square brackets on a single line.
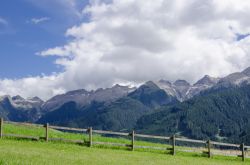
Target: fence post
[(173, 145), (90, 137), (133, 141), (209, 148), (47, 132), (1, 128), (243, 152)]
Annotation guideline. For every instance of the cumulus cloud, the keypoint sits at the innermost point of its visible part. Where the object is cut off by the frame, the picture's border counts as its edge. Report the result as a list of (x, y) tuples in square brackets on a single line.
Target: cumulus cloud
[(132, 41), (39, 20), (42, 86)]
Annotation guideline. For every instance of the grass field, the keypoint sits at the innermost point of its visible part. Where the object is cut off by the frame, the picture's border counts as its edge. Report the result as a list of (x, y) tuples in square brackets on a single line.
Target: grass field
[(14, 151)]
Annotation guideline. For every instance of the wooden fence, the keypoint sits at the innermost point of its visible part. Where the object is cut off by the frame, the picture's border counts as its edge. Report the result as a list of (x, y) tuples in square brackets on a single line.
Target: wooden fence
[(240, 149)]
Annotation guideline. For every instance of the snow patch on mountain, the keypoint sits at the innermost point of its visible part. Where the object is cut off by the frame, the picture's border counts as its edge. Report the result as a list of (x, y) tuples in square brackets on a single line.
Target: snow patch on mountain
[(182, 90), (83, 97)]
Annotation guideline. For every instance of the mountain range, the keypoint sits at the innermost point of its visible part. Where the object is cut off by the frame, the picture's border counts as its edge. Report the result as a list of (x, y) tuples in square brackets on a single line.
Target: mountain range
[(215, 108)]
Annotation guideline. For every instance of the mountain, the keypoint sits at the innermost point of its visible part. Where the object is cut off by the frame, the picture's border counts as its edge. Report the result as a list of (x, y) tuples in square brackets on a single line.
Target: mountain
[(218, 115), (150, 95), (234, 79), (207, 81), (182, 90), (19, 109), (119, 115), (83, 97), (18, 101), (159, 107)]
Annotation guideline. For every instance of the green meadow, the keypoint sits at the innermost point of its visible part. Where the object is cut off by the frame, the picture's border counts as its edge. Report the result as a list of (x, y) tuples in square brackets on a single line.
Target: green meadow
[(20, 151)]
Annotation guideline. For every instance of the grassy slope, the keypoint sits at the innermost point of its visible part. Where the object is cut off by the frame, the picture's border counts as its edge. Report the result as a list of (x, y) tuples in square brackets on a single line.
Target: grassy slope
[(40, 132), (28, 152)]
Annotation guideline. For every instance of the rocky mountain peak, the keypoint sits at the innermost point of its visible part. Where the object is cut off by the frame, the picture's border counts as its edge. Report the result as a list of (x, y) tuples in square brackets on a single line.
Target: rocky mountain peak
[(246, 72), (151, 84), (35, 99), (77, 92), (18, 98), (181, 83), (83, 97), (4, 98), (207, 80), (98, 90), (233, 79), (118, 86), (166, 82), (121, 87)]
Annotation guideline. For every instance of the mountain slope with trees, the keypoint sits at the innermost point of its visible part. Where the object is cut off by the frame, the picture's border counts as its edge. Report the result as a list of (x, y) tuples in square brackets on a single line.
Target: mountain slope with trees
[(218, 115), (18, 109), (121, 114)]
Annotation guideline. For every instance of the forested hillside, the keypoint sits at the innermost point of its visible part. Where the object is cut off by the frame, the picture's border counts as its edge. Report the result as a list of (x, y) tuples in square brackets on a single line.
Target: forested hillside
[(219, 115), (121, 114)]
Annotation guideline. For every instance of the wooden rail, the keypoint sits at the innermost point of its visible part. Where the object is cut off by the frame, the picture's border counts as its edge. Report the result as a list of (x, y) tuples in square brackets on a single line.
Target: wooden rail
[(111, 133), (68, 129), (225, 144), (191, 140), (241, 148), (151, 136)]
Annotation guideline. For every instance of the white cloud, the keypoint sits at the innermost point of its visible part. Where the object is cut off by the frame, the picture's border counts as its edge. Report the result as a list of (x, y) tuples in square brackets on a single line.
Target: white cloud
[(66, 9), (39, 20), (3, 21), (42, 86), (139, 40)]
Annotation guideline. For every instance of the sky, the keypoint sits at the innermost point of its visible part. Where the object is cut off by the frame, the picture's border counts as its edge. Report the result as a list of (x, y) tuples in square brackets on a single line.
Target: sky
[(29, 26), (50, 47)]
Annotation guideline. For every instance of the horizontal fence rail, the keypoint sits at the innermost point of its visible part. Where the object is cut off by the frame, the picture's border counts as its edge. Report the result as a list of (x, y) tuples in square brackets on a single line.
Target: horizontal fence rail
[(152, 137), (207, 149), (111, 133), (191, 140), (225, 144), (68, 129)]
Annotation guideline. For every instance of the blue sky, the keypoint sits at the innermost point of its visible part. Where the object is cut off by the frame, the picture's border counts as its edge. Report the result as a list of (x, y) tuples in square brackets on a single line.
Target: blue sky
[(20, 38)]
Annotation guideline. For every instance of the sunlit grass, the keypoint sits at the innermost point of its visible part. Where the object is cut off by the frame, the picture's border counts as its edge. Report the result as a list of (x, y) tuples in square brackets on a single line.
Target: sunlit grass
[(14, 151)]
